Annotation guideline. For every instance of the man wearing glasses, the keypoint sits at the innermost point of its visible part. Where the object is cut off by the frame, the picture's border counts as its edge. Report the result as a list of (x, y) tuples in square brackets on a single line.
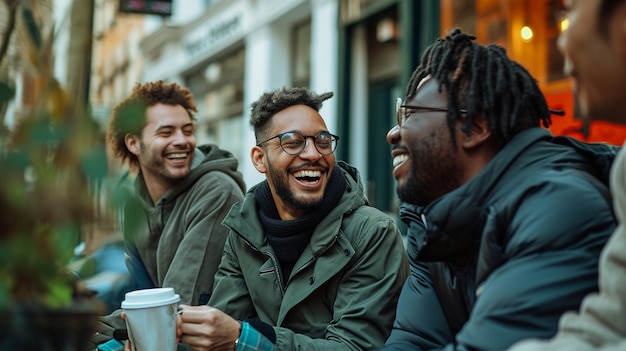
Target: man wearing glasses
[(505, 221), (309, 265)]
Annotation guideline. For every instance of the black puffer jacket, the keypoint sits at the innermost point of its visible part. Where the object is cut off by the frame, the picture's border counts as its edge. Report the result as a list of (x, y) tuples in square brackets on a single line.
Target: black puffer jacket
[(502, 257)]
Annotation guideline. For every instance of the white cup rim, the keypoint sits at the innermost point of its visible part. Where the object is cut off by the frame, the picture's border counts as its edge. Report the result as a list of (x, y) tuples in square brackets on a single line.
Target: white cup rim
[(150, 298)]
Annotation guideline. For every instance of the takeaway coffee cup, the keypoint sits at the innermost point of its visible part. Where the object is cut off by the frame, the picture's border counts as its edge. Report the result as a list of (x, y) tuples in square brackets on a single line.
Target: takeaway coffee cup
[(151, 319)]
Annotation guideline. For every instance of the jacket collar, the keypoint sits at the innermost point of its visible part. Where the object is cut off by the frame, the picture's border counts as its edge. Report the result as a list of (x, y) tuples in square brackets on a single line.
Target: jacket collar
[(243, 218), (445, 229), (206, 158)]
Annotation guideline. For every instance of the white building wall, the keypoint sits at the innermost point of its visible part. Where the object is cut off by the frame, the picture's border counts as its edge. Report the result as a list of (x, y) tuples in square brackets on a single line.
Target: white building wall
[(358, 96), (185, 11), (324, 56)]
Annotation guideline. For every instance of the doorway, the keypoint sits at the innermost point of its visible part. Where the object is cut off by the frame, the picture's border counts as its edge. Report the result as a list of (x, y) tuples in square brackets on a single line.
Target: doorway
[(381, 187)]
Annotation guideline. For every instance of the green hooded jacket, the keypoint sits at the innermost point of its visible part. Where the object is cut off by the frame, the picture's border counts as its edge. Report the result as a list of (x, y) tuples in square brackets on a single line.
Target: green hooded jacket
[(181, 243), (343, 289), (179, 240)]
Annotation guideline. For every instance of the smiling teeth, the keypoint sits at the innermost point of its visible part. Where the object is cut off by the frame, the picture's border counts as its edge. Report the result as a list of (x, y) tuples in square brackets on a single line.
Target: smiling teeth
[(309, 174), (399, 159), (181, 155)]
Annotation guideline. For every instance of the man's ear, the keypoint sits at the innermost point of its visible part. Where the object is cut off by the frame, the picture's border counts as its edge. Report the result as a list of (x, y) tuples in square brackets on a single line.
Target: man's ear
[(132, 144), (479, 133), (257, 154)]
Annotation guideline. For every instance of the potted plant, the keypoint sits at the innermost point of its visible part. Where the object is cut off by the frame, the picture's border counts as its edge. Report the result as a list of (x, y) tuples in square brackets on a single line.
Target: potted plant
[(47, 198)]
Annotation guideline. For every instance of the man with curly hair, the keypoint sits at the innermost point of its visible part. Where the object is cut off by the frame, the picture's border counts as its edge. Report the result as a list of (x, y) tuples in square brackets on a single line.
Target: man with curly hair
[(309, 265), (172, 224)]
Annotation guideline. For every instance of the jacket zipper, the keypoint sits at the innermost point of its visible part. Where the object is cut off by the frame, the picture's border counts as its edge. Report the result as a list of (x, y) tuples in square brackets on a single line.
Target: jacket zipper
[(274, 261), (276, 265)]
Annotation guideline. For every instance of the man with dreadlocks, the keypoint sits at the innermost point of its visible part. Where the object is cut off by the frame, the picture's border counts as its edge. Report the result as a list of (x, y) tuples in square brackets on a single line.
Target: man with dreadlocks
[(505, 221), (308, 265)]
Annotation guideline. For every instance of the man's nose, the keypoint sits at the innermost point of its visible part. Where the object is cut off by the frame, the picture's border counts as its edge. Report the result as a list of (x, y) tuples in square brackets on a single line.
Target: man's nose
[(180, 137), (310, 150), (393, 135)]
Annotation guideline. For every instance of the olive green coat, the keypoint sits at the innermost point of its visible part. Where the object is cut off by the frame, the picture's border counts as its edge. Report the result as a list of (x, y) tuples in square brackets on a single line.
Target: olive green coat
[(343, 290)]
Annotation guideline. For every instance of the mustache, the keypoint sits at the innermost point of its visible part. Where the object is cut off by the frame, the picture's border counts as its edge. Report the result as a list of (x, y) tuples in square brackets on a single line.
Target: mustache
[(399, 147), (307, 166)]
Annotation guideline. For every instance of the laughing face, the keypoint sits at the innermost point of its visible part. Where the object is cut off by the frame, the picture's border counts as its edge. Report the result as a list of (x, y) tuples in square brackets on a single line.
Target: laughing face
[(297, 182), (166, 146), (595, 55), (425, 162)]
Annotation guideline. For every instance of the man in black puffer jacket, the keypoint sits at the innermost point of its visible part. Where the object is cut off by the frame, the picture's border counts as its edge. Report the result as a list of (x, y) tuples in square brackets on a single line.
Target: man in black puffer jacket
[(505, 221)]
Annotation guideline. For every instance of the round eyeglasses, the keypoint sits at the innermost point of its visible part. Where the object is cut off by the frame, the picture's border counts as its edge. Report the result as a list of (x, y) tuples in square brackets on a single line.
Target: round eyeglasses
[(294, 143), (404, 111)]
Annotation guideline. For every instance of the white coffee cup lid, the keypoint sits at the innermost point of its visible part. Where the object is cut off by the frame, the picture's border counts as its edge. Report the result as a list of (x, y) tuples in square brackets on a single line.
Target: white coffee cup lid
[(150, 298)]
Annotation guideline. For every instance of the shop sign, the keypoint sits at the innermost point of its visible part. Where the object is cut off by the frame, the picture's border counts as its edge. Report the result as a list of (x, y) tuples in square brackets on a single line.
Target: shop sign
[(147, 7), (214, 33)]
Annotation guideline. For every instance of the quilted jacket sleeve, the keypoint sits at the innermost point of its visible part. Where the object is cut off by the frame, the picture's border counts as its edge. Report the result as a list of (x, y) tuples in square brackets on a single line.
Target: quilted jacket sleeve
[(601, 322)]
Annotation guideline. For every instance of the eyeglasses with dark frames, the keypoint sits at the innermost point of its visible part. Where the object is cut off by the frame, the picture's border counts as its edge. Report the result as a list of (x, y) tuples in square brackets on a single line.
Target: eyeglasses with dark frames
[(404, 111), (294, 143)]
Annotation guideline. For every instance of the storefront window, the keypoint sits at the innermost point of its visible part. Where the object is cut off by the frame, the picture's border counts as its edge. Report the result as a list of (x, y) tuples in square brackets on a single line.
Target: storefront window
[(218, 88), (352, 10), (383, 46), (219, 83), (302, 54), (529, 32)]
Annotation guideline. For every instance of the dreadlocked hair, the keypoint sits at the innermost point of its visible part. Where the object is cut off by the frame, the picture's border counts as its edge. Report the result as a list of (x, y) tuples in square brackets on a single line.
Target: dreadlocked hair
[(271, 103), (483, 81)]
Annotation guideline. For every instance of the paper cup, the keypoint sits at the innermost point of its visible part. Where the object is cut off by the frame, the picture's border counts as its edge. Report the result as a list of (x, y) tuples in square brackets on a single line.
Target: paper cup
[(151, 319)]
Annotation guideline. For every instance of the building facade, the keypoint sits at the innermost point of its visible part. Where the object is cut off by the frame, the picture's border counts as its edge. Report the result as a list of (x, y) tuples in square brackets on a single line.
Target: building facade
[(25, 29), (228, 52)]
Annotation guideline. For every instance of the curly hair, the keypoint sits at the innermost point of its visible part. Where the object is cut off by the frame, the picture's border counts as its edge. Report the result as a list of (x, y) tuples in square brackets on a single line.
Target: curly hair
[(129, 115), (273, 102), (484, 81)]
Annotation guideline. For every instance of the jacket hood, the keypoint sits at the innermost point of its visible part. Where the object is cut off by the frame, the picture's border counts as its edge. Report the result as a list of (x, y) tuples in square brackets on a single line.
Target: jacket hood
[(244, 220), (208, 157), (445, 229)]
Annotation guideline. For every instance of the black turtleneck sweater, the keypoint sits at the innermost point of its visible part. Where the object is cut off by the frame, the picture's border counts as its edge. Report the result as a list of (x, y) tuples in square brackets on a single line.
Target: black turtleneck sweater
[(290, 238)]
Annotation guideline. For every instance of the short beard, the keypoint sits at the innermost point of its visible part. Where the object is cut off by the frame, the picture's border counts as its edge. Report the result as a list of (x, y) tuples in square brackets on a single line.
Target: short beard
[(409, 191), (281, 186), (440, 173)]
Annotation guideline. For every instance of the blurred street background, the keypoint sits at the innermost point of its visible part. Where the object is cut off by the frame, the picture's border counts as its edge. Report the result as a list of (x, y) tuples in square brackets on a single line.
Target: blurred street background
[(228, 52)]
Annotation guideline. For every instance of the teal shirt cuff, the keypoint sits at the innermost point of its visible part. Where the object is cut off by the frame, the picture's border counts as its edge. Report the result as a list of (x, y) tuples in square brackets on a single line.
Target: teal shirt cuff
[(251, 340), (111, 345)]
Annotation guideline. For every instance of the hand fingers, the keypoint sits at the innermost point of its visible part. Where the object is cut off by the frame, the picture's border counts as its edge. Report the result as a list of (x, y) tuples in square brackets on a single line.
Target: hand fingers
[(179, 323), (196, 342), (199, 314)]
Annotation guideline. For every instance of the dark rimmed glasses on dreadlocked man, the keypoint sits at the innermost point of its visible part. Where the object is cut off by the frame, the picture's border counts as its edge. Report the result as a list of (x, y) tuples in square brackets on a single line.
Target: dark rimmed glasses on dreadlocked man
[(404, 111), (294, 143)]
